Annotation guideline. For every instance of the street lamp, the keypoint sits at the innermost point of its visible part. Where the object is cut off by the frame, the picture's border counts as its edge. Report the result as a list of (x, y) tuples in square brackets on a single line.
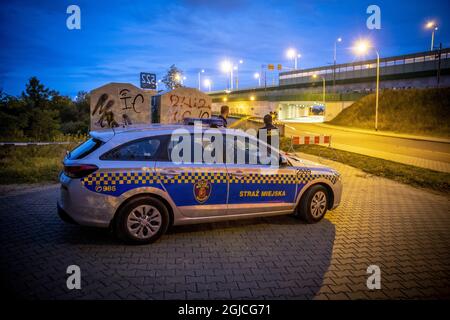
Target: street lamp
[(315, 76), (362, 47), (207, 83), (236, 67), (177, 78), (257, 76), (292, 54), (227, 68), (199, 78), (334, 60), (335, 47), (432, 25)]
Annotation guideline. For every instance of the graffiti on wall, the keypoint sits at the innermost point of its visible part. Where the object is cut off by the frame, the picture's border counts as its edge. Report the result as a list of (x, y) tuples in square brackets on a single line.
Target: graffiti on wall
[(184, 103), (119, 104)]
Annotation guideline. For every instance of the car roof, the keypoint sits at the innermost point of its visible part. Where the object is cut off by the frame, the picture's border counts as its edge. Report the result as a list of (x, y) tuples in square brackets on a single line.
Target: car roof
[(139, 131)]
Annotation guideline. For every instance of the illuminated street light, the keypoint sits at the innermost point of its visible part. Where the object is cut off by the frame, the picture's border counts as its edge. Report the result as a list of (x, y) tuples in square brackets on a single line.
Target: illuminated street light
[(432, 25), (227, 67), (335, 48), (334, 69), (199, 78), (292, 54), (361, 48), (315, 76), (236, 68), (257, 76), (207, 83), (252, 98)]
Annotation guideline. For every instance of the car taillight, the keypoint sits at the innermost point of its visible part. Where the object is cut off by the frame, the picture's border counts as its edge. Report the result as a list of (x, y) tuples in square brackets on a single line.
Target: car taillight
[(79, 171)]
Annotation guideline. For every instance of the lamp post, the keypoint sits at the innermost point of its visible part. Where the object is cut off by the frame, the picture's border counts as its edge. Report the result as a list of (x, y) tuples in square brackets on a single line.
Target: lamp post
[(257, 76), (177, 78), (293, 54), (334, 61), (363, 47), (207, 83), (432, 25), (315, 76), (236, 67), (199, 78), (227, 68)]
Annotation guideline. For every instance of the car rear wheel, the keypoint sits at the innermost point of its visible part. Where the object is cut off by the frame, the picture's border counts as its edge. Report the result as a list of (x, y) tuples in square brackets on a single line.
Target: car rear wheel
[(314, 204), (142, 220)]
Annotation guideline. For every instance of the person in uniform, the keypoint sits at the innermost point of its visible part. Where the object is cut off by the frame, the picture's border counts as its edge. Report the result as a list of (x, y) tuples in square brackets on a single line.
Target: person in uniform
[(224, 111), (270, 129)]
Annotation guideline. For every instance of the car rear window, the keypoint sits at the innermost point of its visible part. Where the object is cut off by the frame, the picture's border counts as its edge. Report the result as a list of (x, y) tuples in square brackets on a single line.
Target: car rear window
[(84, 149)]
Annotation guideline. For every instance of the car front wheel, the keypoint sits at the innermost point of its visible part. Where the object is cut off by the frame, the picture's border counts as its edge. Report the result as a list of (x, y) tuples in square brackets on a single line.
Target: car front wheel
[(314, 204), (142, 220)]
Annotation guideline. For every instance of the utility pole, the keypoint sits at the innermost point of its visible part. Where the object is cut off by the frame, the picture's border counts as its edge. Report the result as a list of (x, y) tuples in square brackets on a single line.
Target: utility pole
[(439, 65)]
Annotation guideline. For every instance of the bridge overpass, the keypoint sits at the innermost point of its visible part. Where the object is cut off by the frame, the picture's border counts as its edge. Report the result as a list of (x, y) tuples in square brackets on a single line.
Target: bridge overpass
[(298, 91)]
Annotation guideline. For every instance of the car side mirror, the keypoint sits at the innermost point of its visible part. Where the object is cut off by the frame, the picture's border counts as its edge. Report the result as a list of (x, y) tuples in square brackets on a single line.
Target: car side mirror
[(283, 160)]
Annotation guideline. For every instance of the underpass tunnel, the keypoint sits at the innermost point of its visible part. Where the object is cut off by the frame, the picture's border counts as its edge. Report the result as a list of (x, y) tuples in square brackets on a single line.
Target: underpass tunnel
[(301, 111)]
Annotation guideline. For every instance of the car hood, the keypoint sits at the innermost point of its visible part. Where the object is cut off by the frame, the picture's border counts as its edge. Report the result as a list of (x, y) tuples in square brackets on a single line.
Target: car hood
[(302, 163)]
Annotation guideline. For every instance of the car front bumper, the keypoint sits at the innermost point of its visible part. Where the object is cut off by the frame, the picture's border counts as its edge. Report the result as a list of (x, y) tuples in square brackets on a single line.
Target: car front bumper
[(337, 194)]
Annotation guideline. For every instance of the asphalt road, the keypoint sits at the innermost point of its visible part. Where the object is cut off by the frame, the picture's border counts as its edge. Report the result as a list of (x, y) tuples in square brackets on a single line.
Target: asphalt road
[(427, 154)]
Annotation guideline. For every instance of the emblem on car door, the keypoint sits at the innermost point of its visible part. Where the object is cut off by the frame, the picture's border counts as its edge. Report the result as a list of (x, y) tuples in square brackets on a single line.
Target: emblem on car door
[(202, 190)]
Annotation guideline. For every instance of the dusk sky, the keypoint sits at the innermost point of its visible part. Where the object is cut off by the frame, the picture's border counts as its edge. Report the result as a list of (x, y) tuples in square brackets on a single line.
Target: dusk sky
[(119, 39)]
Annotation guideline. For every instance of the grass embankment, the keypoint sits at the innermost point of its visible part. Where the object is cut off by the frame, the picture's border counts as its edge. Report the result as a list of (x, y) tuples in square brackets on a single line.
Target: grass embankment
[(31, 164), (413, 111), (411, 175)]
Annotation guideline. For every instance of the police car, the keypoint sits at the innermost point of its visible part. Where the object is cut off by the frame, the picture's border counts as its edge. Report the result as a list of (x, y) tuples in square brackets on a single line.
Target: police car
[(127, 180)]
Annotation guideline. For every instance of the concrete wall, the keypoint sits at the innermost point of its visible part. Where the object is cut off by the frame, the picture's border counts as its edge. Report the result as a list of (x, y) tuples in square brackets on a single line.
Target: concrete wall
[(334, 108), (183, 103), (116, 104), (261, 108), (250, 108)]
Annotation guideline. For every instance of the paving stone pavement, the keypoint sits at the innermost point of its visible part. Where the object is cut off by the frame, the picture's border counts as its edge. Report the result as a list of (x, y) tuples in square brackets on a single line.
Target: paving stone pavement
[(403, 230)]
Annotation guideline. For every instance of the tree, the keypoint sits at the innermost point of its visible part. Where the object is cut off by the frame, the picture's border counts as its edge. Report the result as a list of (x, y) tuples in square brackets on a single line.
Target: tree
[(75, 120), (173, 78), (36, 94)]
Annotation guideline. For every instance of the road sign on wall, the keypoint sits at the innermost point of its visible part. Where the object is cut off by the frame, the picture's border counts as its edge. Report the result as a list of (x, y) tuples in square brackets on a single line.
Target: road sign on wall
[(148, 80)]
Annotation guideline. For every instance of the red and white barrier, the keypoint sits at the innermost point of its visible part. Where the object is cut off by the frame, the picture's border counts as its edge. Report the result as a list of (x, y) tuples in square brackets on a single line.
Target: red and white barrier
[(322, 139)]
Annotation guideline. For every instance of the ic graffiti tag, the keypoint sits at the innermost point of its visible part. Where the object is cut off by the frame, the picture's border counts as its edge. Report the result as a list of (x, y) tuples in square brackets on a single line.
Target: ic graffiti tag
[(105, 106), (124, 96)]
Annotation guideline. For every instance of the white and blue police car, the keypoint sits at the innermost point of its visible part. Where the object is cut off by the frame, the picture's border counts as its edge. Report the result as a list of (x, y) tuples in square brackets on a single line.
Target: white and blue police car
[(128, 180)]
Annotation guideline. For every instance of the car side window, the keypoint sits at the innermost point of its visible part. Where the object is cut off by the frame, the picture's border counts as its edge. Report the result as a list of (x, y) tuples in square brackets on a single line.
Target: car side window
[(248, 151), (138, 150), (207, 147)]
